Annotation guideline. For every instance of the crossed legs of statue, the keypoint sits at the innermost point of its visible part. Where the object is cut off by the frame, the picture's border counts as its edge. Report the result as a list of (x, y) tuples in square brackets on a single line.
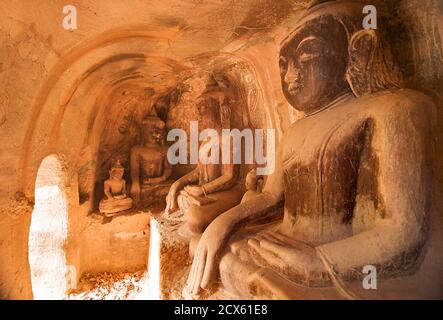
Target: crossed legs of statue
[(198, 217)]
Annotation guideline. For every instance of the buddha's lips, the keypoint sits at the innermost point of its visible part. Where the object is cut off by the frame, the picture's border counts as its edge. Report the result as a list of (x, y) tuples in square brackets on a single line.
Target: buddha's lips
[(294, 91), (294, 88)]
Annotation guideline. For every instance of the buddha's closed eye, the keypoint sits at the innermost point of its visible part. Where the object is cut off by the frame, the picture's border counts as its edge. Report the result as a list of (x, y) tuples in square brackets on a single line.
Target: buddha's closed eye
[(305, 57), (311, 48)]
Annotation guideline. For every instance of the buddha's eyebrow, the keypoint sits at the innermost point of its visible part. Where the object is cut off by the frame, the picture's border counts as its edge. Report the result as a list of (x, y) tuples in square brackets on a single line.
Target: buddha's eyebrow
[(308, 40)]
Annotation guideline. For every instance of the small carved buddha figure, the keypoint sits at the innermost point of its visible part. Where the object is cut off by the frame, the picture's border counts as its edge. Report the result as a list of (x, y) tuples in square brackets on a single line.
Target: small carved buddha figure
[(115, 190), (252, 184), (149, 164), (353, 176), (211, 188)]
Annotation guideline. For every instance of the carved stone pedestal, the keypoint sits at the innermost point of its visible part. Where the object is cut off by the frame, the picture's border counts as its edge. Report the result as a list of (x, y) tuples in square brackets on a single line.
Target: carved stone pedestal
[(174, 261), (153, 195), (119, 245)]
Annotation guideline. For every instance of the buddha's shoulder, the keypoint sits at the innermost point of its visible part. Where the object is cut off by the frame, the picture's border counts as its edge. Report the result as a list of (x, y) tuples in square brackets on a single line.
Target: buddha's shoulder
[(396, 102), (383, 107)]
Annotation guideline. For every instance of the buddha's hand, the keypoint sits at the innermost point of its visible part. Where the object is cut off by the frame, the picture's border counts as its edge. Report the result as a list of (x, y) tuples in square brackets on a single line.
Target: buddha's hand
[(289, 257), (171, 198), (195, 191), (206, 257)]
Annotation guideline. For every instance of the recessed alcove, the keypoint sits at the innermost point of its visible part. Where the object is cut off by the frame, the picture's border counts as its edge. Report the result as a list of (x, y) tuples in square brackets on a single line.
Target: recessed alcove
[(104, 123)]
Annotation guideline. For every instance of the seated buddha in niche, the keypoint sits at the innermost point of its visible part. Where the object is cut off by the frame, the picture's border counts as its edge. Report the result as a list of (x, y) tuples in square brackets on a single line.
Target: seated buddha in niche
[(150, 168), (352, 174), (210, 188), (115, 191)]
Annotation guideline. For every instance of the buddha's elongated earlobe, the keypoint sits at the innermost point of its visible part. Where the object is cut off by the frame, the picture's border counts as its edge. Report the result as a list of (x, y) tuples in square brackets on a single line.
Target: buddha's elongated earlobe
[(362, 47), (371, 67)]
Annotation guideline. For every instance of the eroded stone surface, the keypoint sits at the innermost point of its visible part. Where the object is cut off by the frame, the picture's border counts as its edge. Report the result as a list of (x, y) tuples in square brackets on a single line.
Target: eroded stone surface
[(116, 246), (174, 258), (83, 95)]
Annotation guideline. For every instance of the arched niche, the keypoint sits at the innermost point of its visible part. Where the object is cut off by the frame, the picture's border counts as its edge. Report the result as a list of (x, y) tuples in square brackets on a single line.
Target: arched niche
[(237, 78), (67, 106)]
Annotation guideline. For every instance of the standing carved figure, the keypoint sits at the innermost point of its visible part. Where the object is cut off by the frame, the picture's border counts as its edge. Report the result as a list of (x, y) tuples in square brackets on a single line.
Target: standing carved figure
[(149, 164)]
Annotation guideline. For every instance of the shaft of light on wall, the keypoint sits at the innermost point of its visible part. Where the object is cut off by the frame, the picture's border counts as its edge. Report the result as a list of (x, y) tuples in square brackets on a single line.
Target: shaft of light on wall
[(152, 289)]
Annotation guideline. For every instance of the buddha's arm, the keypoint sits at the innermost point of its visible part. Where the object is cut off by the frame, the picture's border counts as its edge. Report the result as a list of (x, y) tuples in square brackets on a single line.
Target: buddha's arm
[(403, 187), (256, 208), (135, 175), (167, 170), (124, 188), (187, 179), (135, 167), (171, 198), (224, 182), (262, 205), (220, 230), (107, 190)]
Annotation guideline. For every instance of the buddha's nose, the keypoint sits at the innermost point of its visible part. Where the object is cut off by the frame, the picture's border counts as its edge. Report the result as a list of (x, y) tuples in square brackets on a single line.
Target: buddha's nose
[(292, 75)]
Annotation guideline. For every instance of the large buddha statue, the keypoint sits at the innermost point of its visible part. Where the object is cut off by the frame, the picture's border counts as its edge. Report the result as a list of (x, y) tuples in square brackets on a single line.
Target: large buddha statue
[(150, 168), (352, 174), (211, 188)]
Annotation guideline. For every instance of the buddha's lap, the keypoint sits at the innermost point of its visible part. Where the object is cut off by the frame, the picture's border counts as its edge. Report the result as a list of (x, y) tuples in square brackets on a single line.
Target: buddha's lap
[(222, 200), (116, 202)]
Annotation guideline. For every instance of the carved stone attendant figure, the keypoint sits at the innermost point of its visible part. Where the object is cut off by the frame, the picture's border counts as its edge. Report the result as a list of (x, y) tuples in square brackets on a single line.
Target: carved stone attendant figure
[(149, 164), (353, 175), (252, 184), (209, 189), (115, 191)]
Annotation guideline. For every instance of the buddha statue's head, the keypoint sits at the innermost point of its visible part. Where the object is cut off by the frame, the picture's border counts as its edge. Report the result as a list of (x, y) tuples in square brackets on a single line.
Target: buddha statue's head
[(314, 57), (213, 111), (153, 130), (116, 171)]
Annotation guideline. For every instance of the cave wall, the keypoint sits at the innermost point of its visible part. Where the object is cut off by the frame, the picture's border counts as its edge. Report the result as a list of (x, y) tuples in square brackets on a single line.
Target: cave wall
[(59, 88)]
